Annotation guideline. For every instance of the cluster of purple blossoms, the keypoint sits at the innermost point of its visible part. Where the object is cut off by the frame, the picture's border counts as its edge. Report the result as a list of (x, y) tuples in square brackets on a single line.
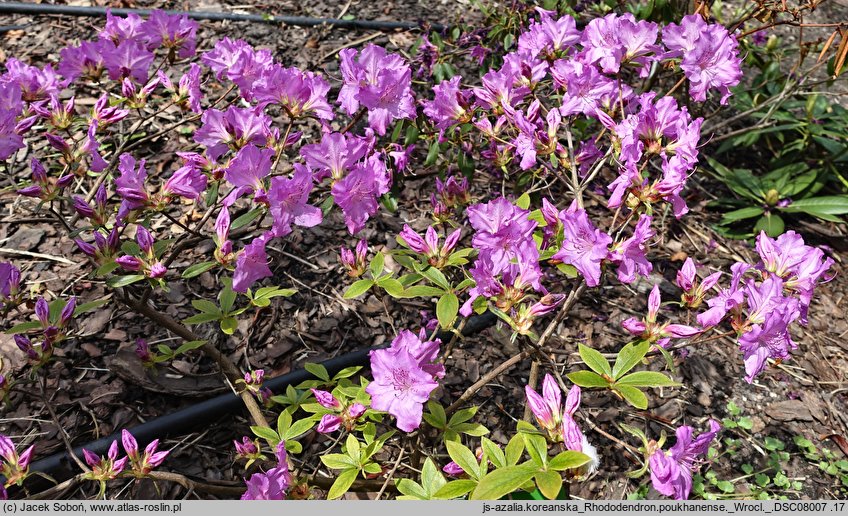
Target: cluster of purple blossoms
[(148, 263), (450, 106), (297, 93), (273, 483), (694, 290), (379, 82), (404, 376), (142, 463), (11, 129), (763, 306), (234, 129), (650, 330), (558, 421), (106, 467), (436, 255), (708, 55), (239, 62), (54, 329), (354, 261), (657, 129), (15, 467), (671, 471), (186, 93), (504, 240), (105, 248), (10, 286), (343, 414)]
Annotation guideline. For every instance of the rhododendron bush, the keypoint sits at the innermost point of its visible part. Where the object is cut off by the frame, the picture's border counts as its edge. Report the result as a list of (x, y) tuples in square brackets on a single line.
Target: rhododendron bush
[(553, 167)]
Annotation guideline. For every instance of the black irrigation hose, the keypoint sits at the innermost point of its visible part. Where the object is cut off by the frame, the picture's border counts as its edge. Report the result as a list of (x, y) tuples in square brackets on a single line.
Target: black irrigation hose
[(182, 420), (301, 21)]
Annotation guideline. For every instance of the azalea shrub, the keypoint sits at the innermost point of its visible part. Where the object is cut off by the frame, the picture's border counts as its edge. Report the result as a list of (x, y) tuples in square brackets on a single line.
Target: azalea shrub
[(555, 141)]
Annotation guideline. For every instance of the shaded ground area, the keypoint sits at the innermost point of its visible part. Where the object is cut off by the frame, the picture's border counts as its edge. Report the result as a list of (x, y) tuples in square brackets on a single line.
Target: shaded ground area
[(100, 388)]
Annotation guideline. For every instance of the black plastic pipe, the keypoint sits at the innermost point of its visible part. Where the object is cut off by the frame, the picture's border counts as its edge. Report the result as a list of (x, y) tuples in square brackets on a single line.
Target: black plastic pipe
[(301, 21), (183, 420)]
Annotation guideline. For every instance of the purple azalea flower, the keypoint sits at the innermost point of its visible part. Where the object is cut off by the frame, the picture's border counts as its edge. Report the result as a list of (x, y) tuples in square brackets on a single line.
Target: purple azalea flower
[(548, 37), (401, 386), (177, 33), (629, 255), (10, 283), (615, 40), (584, 246), (188, 181), (770, 339), (671, 471), (429, 245), (239, 62), (378, 81), (118, 29), (499, 90), (130, 184), (533, 139), (14, 466), (251, 265), (357, 193), (450, 106), (573, 437), (546, 408), (232, 129), (298, 93), (709, 56), (247, 172), (36, 84), (105, 468), (693, 290), (142, 464), (651, 331), (10, 107), (272, 484), (127, 59), (354, 263), (504, 232), (335, 154), (288, 199), (585, 88)]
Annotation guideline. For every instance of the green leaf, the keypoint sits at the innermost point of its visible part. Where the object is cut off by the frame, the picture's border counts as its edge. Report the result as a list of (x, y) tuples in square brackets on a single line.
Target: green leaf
[(630, 355), (632, 395), (436, 276), (299, 428), (514, 449), (446, 310), (353, 448), (437, 412), (646, 379), (587, 379), (202, 318), (318, 370), (423, 291), (358, 288), (568, 460), (742, 214), (392, 286), (377, 264), (549, 483), (188, 346), (23, 327), (594, 359), (338, 461), (523, 202), (455, 489), (461, 416), (503, 481), (263, 432), (91, 305), (123, 281), (342, 483), (205, 306), (772, 224), (411, 490), (826, 208), (464, 458), (537, 448), (229, 325), (284, 422), (472, 429), (431, 478), (197, 269), (227, 297), (247, 218), (493, 452)]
